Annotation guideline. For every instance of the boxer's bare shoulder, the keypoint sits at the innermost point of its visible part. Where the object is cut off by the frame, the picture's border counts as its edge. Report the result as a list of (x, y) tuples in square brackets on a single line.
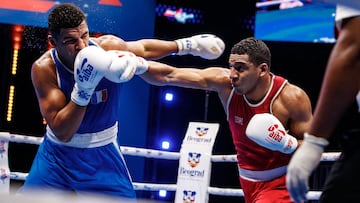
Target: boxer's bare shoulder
[(44, 63), (110, 42)]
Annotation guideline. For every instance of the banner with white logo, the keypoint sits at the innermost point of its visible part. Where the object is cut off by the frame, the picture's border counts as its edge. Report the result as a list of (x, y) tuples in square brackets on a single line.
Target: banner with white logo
[(4, 166), (195, 163)]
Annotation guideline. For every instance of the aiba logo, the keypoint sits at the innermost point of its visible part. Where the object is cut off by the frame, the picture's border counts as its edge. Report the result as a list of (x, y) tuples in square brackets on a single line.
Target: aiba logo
[(275, 133)]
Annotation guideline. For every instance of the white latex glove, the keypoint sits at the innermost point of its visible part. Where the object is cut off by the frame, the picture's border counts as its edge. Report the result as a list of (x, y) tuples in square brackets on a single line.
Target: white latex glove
[(304, 161)]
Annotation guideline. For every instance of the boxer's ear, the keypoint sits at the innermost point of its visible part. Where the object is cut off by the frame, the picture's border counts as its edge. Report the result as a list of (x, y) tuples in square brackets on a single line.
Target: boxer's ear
[(264, 68), (51, 40)]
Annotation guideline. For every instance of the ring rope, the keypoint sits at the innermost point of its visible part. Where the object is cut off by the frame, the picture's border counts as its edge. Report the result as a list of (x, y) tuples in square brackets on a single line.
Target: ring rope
[(311, 195), (149, 153), (271, 3)]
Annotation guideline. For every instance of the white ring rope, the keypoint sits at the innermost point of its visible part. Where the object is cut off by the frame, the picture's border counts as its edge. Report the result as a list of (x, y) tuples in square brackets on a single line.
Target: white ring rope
[(271, 3), (149, 153)]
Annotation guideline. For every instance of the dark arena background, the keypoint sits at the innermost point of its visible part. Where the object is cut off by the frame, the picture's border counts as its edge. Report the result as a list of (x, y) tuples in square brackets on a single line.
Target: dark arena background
[(299, 53)]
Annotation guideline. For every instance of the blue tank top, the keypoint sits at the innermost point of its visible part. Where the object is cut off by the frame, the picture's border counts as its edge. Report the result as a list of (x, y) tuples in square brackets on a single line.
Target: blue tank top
[(103, 109)]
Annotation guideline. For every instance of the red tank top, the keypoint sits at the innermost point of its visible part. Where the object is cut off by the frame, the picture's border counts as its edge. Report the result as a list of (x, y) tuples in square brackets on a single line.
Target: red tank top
[(250, 155)]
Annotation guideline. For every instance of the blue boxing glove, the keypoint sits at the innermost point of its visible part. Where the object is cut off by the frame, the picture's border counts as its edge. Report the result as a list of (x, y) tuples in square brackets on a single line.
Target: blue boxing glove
[(90, 66), (206, 46)]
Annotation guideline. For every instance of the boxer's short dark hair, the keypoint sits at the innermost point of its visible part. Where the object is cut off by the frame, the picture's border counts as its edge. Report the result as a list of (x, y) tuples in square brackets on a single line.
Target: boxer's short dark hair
[(65, 15)]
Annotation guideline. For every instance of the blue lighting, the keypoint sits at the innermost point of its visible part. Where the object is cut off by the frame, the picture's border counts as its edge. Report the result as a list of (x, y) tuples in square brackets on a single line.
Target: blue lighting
[(169, 96), (162, 193), (165, 144), (181, 15)]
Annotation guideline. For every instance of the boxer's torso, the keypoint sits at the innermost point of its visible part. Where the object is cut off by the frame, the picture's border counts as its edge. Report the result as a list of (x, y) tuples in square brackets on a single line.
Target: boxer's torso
[(103, 109), (250, 155)]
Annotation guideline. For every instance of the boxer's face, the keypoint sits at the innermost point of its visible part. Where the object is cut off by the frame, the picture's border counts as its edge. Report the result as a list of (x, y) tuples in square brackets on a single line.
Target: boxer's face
[(70, 41), (244, 74)]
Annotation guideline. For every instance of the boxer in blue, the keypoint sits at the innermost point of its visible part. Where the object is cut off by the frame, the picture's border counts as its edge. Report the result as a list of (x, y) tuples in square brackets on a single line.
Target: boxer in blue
[(77, 84)]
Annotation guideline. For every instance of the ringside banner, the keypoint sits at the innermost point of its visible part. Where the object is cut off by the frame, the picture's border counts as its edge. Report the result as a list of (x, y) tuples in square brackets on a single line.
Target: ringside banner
[(195, 163)]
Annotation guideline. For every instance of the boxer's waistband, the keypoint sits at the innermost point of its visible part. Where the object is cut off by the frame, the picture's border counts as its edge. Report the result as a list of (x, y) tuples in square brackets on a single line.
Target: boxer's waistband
[(87, 140), (262, 175)]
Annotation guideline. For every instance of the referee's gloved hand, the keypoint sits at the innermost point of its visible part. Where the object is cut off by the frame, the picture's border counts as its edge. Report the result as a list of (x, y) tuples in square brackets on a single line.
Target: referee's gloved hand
[(304, 161)]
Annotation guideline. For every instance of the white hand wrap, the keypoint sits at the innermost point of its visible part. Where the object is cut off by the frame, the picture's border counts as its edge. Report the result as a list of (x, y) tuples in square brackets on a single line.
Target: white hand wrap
[(267, 131), (125, 64), (302, 164), (90, 66), (206, 46)]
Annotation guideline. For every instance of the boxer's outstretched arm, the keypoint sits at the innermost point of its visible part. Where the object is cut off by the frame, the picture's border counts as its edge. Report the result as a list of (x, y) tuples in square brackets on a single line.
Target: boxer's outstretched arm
[(212, 78), (206, 46)]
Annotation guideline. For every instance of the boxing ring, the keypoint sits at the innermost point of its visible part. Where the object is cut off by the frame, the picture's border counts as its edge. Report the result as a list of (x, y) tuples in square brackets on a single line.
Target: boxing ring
[(7, 175)]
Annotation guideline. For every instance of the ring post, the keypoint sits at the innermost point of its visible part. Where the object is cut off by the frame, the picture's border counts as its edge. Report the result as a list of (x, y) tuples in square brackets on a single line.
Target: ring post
[(195, 163), (4, 164)]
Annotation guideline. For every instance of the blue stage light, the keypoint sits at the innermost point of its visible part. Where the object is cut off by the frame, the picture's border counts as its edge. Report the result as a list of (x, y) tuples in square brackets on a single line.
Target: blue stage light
[(165, 145), (169, 96), (162, 193)]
